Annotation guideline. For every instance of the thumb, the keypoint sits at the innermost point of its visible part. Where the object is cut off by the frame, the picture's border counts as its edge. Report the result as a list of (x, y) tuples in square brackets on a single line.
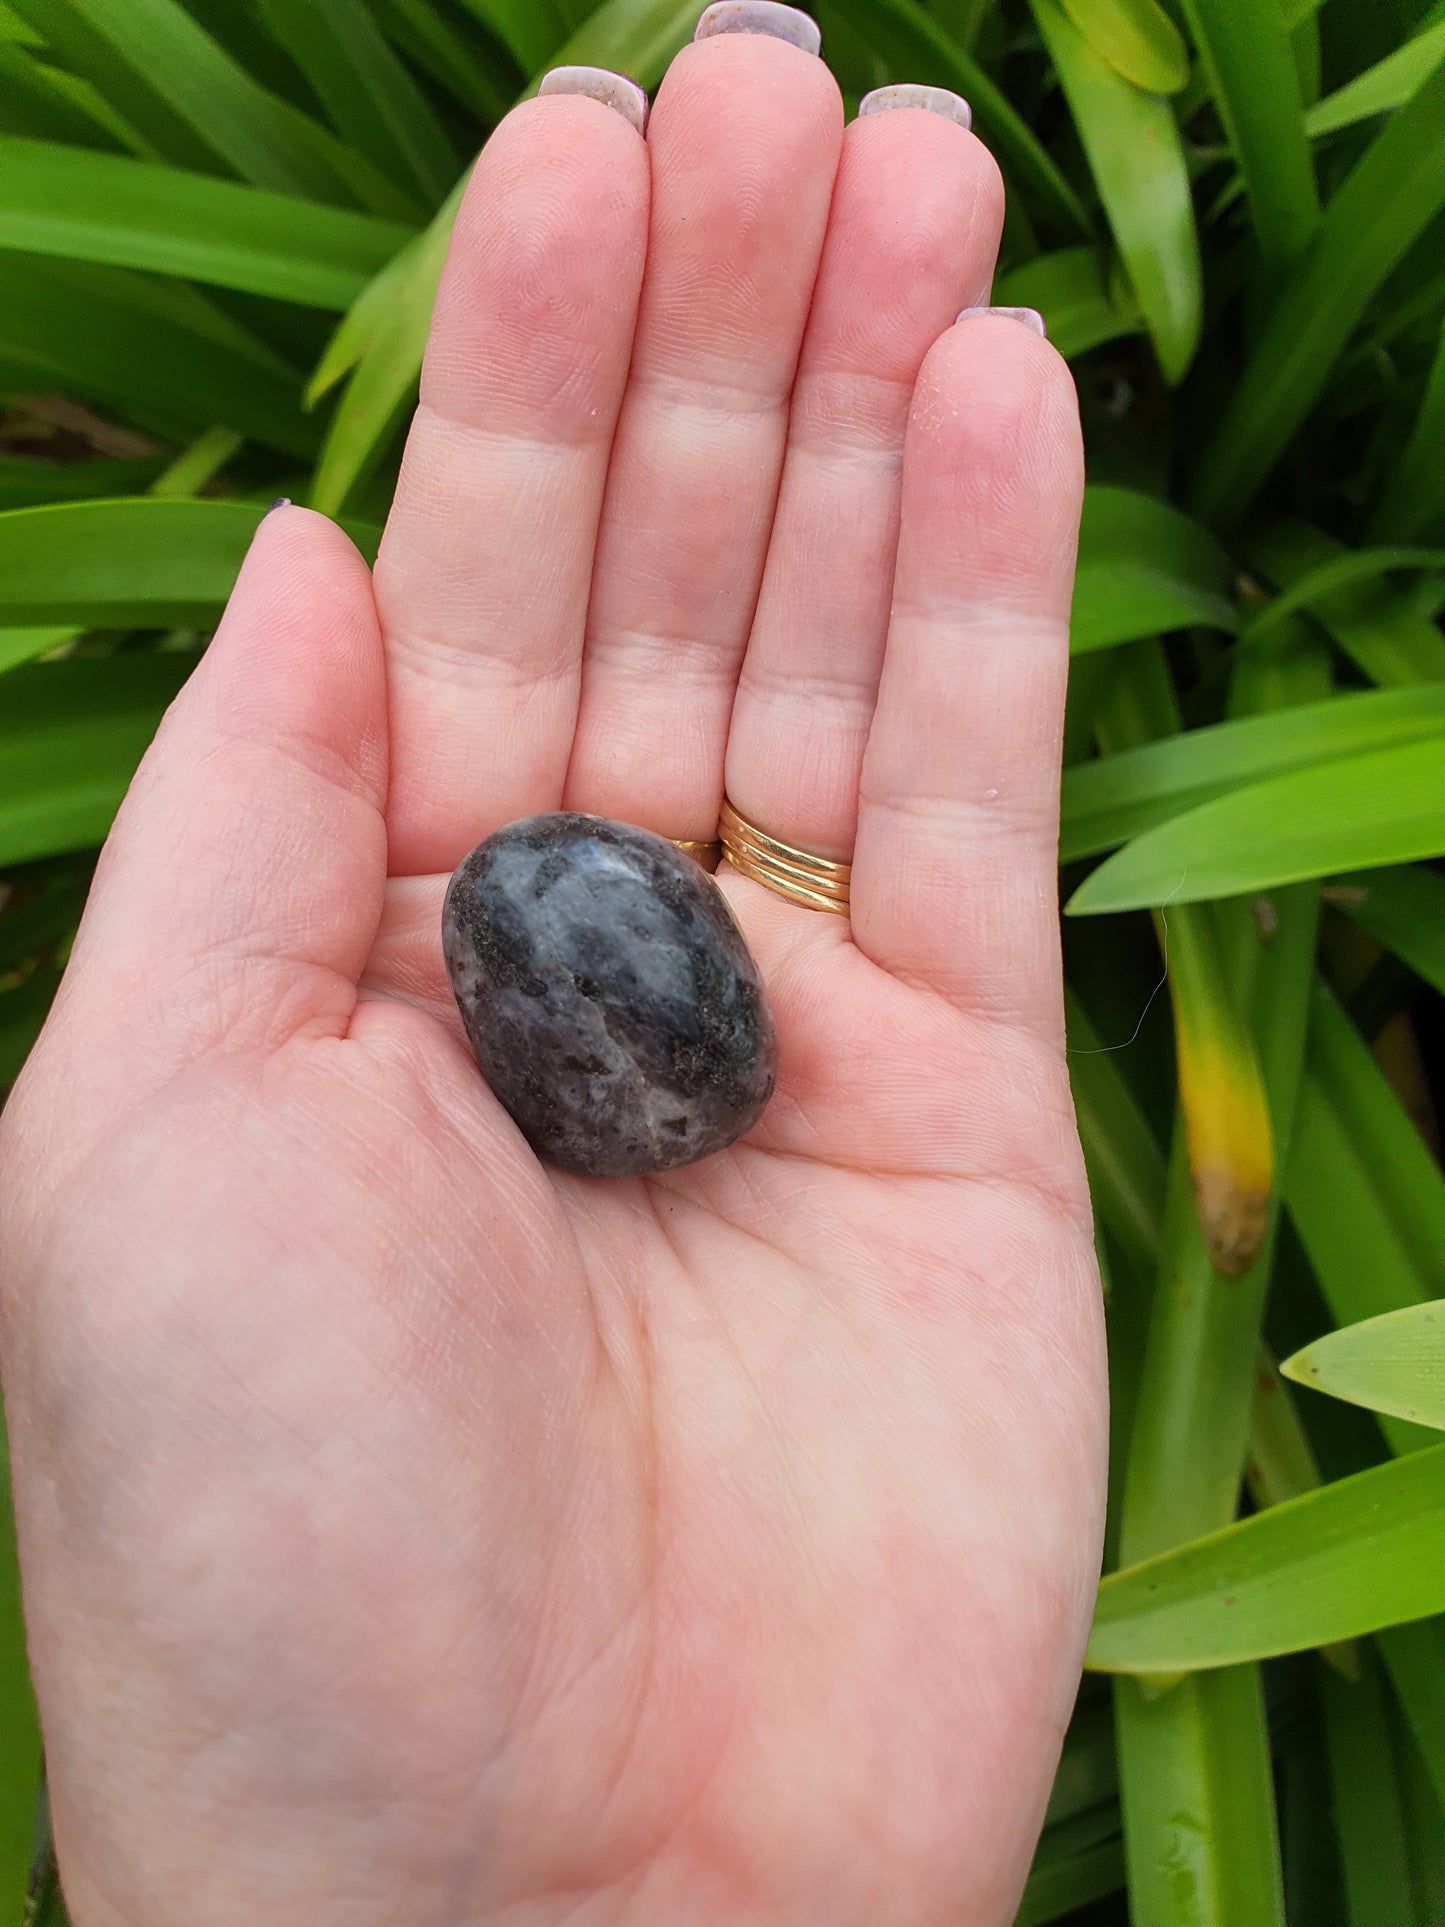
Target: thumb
[(238, 895)]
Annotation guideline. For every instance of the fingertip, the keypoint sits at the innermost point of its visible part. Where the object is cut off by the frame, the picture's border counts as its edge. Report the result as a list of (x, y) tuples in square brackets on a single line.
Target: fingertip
[(995, 416), (612, 90), (298, 649)]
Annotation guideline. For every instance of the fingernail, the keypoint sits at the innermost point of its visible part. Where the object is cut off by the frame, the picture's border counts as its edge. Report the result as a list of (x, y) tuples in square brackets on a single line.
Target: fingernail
[(935, 100), (599, 83), (281, 502), (1030, 317), (761, 16)]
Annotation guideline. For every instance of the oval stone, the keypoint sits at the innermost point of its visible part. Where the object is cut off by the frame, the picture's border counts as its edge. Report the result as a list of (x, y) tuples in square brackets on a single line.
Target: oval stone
[(610, 999)]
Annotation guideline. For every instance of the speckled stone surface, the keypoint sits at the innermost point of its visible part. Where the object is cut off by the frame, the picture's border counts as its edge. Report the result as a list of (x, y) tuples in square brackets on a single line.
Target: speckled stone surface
[(611, 1001)]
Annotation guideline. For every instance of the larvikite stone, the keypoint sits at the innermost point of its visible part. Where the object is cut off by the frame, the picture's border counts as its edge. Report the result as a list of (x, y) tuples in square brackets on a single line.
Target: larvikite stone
[(610, 998)]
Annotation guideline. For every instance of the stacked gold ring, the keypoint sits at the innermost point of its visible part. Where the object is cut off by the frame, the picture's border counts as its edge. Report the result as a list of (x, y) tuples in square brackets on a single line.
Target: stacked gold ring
[(704, 850), (816, 882)]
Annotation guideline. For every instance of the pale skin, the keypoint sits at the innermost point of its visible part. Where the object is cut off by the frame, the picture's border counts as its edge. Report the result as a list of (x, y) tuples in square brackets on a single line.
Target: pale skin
[(411, 1532)]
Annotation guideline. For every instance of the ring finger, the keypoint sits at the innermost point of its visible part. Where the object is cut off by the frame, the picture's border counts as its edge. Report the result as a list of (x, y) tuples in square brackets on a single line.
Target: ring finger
[(912, 238)]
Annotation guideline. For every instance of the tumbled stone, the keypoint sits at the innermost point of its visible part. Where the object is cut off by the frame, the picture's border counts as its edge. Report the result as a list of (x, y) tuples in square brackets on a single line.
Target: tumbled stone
[(610, 999)]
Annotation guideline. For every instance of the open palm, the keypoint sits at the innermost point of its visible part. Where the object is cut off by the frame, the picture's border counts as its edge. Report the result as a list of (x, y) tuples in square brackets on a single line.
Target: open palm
[(413, 1533)]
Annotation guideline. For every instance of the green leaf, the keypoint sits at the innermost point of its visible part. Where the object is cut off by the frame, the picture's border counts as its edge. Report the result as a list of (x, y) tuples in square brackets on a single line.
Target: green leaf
[(1364, 1194), (1070, 289), (1414, 1657), (1355, 813), (20, 1751), (45, 919), (1405, 909), (71, 735), (24, 645), (912, 45), (49, 105), (85, 206), (1144, 568), (1392, 1364), (1369, 1822), (1360, 1553), (1373, 623), (1198, 1802), (384, 336), (197, 106), (1137, 38), (453, 59), (143, 563), (1118, 797), (531, 29), (1367, 1197), (369, 96), (1085, 1780), (199, 464), (1059, 1881), (1126, 1168), (1340, 572), (23, 482), (1137, 157), (156, 349), (1386, 202), (1414, 496), (1387, 85), (1252, 75), (385, 333)]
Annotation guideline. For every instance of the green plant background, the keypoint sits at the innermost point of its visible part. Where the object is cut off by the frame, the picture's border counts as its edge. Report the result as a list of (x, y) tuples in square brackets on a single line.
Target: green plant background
[(221, 225)]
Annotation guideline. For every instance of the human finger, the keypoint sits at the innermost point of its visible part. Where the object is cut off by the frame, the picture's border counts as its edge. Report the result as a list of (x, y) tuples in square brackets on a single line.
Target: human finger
[(744, 141), (912, 237), (483, 576), (954, 867)]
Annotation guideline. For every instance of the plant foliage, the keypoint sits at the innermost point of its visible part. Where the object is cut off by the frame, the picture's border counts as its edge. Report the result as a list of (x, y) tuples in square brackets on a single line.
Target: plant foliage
[(221, 228)]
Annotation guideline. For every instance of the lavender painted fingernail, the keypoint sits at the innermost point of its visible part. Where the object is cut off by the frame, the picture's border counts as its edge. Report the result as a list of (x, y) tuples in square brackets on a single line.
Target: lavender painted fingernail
[(281, 502), (1030, 317), (761, 16), (935, 100), (600, 83)]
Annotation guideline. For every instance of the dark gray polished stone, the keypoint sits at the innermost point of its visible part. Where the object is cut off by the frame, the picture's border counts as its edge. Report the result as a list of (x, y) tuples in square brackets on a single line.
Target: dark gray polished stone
[(610, 998)]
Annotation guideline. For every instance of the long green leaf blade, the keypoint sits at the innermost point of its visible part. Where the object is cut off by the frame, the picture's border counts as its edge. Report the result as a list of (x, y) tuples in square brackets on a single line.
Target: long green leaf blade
[(384, 335), (1405, 909), (1361, 1553), (86, 206), (1201, 1846), (70, 737), (1414, 497), (1144, 568), (1386, 85), (369, 96), (1117, 797), (198, 106), (1137, 158), (1246, 53), (1388, 200), (1359, 812), (157, 350), (143, 563), (1373, 623)]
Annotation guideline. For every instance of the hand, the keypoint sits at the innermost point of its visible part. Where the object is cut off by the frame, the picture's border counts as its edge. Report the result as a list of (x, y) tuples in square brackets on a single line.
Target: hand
[(414, 1533)]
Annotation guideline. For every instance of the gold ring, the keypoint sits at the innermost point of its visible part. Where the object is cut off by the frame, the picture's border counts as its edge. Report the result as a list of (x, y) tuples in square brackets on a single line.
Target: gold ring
[(816, 882), (703, 850)]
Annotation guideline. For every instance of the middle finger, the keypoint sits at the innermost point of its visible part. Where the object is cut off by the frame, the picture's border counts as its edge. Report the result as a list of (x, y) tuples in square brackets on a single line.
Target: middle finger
[(744, 141)]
